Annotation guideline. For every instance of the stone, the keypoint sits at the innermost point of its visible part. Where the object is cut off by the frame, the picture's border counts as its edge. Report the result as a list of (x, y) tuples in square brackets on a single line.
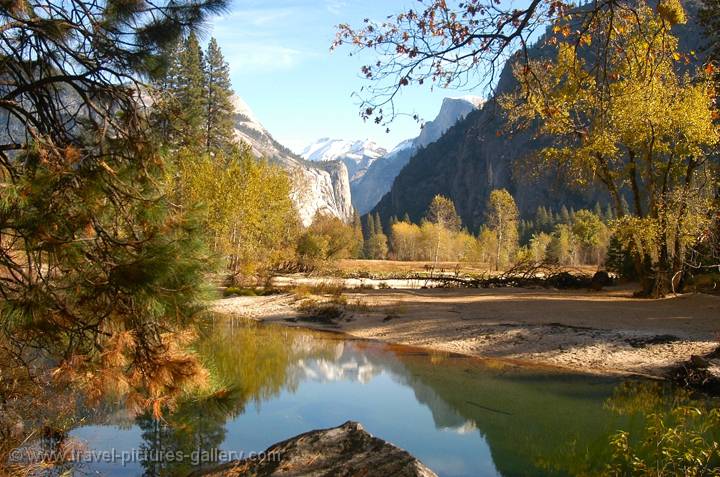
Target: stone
[(344, 451), (599, 280)]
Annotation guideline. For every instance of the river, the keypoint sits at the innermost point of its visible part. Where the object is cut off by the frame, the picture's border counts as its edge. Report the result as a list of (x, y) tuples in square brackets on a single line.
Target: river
[(460, 416)]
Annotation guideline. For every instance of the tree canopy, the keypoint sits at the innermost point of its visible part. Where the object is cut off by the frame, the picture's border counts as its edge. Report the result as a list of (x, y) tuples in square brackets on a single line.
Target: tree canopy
[(101, 273)]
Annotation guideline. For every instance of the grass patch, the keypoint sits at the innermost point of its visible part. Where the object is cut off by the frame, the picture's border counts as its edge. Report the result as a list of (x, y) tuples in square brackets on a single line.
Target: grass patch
[(326, 313), (328, 287)]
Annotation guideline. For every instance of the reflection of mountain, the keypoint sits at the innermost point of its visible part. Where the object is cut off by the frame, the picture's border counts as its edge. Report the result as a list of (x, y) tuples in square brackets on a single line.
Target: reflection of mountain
[(552, 423), (348, 365)]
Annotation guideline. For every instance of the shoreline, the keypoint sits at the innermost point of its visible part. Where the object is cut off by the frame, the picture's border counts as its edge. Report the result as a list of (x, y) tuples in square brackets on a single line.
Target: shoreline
[(601, 333)]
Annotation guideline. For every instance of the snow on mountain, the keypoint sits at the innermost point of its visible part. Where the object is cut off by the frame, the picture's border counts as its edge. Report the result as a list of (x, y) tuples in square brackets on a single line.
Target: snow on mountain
[(356, 155), (327, 149), (317, 187), (406, 144), (379, 176)]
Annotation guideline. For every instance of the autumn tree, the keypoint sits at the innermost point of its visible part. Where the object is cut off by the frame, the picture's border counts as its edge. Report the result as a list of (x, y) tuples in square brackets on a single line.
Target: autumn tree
[(710, 20), (248, 217), (100, 275), (441, 43), (502, 221), (442, 212), (623, 114), (592, 236), (327, 238), (538, 247), (442, 215)]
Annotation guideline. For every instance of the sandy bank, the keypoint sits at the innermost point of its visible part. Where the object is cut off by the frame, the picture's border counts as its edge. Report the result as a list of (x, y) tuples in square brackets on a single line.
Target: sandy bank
[(606, 332)]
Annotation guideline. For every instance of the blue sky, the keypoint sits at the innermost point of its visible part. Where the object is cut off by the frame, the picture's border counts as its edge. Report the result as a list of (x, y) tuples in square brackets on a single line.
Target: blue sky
[(281, 65)]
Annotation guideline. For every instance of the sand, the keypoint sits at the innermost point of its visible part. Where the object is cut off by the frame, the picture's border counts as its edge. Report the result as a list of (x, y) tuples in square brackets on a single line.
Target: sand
[(605, 332)]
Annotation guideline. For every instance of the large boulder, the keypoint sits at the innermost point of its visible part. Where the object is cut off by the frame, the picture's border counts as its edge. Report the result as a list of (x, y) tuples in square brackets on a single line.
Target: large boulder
[(342, 451)]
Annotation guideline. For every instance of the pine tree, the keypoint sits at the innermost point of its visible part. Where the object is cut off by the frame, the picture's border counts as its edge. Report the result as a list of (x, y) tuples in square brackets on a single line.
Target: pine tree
[(543, 221), (358, 234), (378, 224), (609, 214), (564, 215), (219, 113), (370, 227), (598, 209), (97, 263), (186, 86)]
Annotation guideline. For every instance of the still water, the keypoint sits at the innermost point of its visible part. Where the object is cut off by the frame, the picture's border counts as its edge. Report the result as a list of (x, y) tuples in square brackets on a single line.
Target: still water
[(460, 416)]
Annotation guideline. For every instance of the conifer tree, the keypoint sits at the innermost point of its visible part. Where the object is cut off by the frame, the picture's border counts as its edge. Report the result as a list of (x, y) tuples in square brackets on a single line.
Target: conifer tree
[(370, 226), (378, 224), (101, 276), (598, 209), (564, 215), (186, 87), (358, 234), (219, 111)]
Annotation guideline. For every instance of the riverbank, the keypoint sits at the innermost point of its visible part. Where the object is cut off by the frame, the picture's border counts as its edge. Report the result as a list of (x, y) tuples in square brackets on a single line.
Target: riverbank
[(605, 332)]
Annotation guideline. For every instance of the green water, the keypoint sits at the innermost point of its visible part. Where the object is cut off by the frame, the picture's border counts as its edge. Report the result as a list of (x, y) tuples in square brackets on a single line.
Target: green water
[(460, 416)]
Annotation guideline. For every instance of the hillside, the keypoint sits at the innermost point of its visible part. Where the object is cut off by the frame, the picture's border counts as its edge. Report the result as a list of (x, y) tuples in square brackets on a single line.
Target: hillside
[(317, 186), (477, 155)]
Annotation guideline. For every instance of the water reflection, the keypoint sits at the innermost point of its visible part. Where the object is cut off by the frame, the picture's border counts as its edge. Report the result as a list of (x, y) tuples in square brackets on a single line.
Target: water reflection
[(460, 416)]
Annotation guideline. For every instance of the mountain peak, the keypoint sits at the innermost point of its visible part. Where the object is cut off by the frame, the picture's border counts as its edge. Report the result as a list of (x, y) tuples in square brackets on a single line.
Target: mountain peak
[(357, 155), (476, 101), (451, 111)]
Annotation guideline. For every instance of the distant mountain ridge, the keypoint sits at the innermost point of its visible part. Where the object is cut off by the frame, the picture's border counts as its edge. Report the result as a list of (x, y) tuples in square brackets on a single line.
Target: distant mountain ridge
[(379, 177), (317, 187), (356, 155)]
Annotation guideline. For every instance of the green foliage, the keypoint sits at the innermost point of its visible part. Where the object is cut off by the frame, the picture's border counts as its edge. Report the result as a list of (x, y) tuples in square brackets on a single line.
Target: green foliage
[(563, 246), (442, 212), (683, 441), (193, 101), (247, 213), (101, 273), (538, 247), (376, 242), (634, 122), (186, 82), (376, 247), (220, 111), (620, 260), (592, 235), (327, 238), (502, 221), (358, 238)]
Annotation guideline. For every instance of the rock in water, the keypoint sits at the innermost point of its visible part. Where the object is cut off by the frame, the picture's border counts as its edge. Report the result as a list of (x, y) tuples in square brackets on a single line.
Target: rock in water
[(342, 451)]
